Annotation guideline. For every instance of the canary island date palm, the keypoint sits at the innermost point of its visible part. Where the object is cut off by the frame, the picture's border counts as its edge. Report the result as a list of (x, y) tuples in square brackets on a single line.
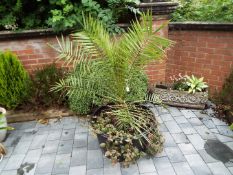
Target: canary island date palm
[(106, 68), (99, 58)]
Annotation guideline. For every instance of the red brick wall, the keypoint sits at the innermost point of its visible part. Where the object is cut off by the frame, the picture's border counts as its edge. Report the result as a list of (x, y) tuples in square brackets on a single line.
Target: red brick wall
[(156, 70), (33, 53), (202, 53)]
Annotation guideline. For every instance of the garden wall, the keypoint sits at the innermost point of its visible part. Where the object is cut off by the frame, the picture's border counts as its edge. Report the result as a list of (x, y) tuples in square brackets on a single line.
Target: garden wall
[(203, 50), (200, 49)]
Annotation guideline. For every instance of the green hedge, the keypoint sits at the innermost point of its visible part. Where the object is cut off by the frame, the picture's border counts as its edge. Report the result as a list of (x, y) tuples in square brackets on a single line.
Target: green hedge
[(61, 14), (204, 10), (14, 81)]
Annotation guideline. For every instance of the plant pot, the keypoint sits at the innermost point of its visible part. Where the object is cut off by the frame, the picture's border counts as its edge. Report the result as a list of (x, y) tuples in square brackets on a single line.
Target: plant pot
[(177, 98), (3, 124)]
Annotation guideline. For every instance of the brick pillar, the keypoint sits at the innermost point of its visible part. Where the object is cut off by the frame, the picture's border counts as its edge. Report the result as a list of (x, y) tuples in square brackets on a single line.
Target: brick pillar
[(161, 11)]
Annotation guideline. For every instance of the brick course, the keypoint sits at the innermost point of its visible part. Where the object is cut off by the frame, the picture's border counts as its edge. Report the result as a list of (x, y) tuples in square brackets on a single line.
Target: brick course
[(202, 53)]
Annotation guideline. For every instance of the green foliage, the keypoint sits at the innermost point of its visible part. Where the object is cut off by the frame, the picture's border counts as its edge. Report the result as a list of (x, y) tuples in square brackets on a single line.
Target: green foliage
[(195, 84), (14, 81), (43, 80), (110, 70), (129, 130), (191, 84), (226, 93), (61, 14), (204, 10)]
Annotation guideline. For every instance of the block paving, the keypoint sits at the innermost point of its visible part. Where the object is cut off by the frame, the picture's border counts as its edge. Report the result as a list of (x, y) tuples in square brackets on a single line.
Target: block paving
[(196, 143)]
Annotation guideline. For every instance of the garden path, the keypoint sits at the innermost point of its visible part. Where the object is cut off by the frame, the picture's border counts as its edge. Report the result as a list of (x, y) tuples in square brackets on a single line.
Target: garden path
[(195, 143)]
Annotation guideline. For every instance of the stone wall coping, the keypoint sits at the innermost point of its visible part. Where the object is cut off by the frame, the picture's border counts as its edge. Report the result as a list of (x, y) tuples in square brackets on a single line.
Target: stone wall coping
[(6, 35), (212, 26)]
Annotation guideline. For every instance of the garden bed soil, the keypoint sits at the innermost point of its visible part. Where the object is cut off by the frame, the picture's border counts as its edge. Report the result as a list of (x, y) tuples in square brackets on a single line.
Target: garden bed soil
[(224, 113)]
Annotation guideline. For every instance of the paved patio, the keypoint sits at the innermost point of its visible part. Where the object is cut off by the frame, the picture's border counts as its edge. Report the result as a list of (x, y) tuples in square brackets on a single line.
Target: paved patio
[(196, 143)]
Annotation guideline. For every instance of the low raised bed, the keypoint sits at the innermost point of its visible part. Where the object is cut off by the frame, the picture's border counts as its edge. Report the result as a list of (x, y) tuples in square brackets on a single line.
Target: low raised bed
[(178, 98)]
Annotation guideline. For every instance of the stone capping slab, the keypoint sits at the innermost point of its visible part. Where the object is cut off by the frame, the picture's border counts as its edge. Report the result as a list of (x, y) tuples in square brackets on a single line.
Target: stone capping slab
[(5, 35), (201, 26), (158, 8)]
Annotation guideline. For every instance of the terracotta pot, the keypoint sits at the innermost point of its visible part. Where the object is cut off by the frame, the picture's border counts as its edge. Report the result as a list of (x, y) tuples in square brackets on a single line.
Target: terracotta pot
[(3, 124)]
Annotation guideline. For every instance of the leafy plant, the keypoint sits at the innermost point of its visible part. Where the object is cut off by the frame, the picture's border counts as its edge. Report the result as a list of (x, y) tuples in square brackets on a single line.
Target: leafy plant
[(43, 79), (62, 14), (108, 70), (195, 84), (14, 81), (204, 10)]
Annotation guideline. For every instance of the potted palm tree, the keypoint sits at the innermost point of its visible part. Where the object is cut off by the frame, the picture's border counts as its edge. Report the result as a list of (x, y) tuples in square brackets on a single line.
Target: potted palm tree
[(108, 72)]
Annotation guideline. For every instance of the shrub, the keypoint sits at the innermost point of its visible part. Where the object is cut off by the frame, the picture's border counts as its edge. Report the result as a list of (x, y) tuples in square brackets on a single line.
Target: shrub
[(43, 80), (14, 81), (204, 10), (61, 14), (227, 91)]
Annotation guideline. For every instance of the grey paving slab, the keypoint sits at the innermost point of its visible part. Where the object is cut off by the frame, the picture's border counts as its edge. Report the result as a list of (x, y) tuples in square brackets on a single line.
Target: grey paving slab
[(81, 170), (79, 156), (163, 166), (166, 117), (225, 130), (196, 141), (180, 119), (45, 164), (218, 168), (38, 141), (93, 142), (146, 165), (169, 141), (94, 159), (54, 134), (65, 146), (182, 168), (33, 156), (80, 140), (114, 169), (62, 164), (214, 131), (131, 170), (173, 127), (14, 162), (67, 134), (206, 157), (10, 172), (152, 173), (195, 121), (174, 154), (197, 164), (209, 124), (223, 138), (180, 138), (51, 146), (187, 148), (218, 122), (188, 113), (163, 128), (174, 111), (99, 171), (187, 128)]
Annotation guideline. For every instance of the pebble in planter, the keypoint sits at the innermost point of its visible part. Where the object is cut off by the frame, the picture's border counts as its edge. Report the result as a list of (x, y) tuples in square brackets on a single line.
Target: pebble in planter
[(187, 91)]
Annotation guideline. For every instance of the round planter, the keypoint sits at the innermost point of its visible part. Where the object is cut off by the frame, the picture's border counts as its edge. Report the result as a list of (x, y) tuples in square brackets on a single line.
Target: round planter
[(3, 124)]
